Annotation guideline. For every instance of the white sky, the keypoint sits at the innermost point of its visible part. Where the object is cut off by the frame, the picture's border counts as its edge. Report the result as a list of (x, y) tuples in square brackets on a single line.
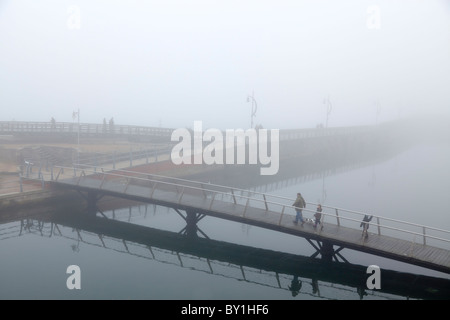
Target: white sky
[(171, 62)]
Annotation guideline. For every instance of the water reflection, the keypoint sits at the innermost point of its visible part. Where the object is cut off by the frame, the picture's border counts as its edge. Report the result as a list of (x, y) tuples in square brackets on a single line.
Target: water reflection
[(284, 275), (298, 276), (295, 286)]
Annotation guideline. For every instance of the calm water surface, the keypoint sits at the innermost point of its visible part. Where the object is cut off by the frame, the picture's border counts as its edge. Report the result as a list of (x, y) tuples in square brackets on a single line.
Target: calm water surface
[(412, 185)]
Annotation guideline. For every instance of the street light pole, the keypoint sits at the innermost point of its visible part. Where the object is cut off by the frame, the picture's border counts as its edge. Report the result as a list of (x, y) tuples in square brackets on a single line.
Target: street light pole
[(329, 107), (78, 129), (78, 133), (254, 108)]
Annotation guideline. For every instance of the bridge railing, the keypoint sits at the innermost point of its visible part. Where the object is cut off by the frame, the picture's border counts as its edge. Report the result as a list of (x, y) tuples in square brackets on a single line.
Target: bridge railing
[(19, 184), (82, 128), (250, 199), (8, 127), (101, 160)]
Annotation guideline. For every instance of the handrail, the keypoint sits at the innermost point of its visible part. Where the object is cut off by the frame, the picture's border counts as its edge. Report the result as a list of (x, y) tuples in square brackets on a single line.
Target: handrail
[(279, 197), (88, 128), (97, 159), (248, 198), (375, 216), (116, 129)]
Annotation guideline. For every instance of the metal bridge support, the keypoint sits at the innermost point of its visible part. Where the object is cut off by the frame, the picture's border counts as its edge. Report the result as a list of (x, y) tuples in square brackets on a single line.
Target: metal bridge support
[(91, 198), (191, 224), (191, 229), (327, 251)]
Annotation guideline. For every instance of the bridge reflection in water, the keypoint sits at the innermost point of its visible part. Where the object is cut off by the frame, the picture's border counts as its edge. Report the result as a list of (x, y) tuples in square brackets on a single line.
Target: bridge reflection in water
[(268, 268), (396, 239)]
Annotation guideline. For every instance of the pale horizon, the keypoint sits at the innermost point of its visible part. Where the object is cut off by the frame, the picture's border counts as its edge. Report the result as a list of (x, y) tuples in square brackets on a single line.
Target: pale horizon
[(170, 63)]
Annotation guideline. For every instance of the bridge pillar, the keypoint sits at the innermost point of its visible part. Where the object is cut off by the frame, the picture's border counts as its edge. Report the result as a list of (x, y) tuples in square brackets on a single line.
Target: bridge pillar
[(191, 218), (327, 251), (191, 224), (91, 200)]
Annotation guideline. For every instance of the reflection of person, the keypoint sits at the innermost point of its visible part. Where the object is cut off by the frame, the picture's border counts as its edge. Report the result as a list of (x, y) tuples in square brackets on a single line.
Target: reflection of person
[(365, 225), (361, 292), (315, 287), (299, 204), (295, 286), (318, 216)]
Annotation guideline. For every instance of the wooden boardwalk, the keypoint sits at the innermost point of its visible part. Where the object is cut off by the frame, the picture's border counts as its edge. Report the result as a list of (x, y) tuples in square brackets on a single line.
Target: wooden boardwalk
[(209, 201)]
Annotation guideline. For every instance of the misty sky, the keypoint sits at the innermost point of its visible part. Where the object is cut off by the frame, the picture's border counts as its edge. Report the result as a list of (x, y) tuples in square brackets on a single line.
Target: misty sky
[(170, 62)]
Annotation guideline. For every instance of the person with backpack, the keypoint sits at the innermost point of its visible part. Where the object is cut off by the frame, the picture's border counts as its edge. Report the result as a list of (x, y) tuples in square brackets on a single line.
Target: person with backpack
[(365, 225)]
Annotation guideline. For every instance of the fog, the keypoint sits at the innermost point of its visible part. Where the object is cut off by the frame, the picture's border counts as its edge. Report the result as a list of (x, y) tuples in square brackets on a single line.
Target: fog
[(170, 63)]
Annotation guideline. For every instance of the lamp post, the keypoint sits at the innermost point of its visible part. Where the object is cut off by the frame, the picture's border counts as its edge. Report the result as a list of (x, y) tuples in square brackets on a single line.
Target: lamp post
[(328, 107), (324, 191), (74, 115), (254, 108)]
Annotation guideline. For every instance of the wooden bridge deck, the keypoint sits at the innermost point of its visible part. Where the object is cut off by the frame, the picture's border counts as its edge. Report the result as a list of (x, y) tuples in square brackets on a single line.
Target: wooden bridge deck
[(201, 202)]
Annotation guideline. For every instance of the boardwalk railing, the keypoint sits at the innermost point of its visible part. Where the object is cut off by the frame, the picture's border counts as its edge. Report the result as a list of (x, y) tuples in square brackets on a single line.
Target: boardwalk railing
[(11, 127), (245, 199), (17, 184), (89, 129), (101, 160)]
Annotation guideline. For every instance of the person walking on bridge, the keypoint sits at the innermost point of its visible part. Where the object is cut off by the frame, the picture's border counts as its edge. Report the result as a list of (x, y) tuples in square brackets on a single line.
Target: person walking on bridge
[(365, 225), (318, 216), (299, 204)]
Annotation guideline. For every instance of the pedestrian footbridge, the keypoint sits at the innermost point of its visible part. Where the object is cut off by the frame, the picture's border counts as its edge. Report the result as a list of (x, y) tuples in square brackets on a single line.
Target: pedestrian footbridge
[(403, 241)]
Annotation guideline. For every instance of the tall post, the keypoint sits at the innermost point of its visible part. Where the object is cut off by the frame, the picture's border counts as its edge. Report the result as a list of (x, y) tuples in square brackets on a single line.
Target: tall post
[(191, 224), (131, 157), (327, 251), (77, 114), (78, 138), (78, 130), (254, 108), (329, 107)]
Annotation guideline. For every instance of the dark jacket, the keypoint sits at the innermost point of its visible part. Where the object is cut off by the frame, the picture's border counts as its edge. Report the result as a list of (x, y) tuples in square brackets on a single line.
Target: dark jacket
[(365, 221), (318, 213), (299, 202)]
